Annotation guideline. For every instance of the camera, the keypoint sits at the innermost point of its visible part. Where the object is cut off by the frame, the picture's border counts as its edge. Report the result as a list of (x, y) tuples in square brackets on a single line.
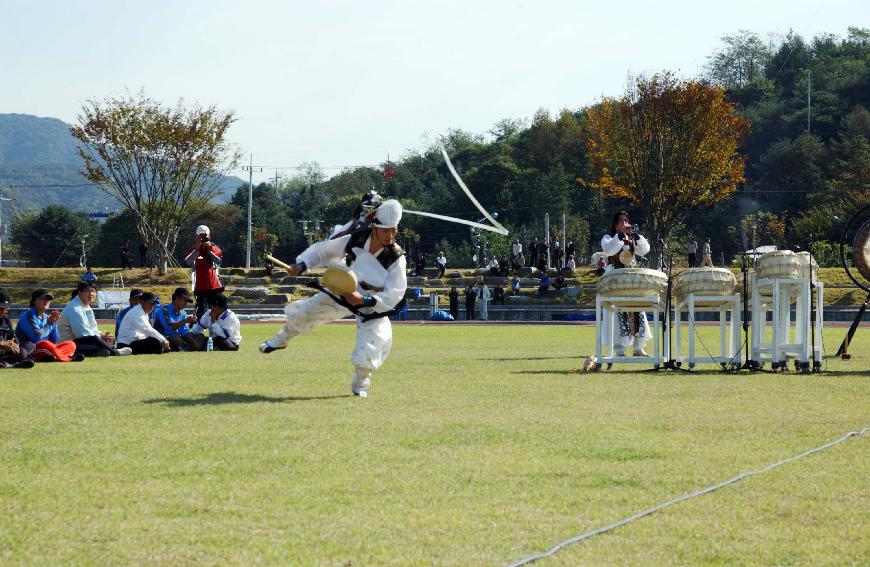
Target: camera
[(203, 238)]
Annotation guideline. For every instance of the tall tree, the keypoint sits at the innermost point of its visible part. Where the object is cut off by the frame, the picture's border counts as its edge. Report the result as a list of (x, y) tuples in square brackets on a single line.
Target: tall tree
[(163, 163), (668, 146), (52, 236), (740, 62)]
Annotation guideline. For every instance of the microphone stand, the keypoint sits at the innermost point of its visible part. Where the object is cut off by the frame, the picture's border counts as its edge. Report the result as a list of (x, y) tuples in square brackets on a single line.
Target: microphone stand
[(817, 364), (671, 363)]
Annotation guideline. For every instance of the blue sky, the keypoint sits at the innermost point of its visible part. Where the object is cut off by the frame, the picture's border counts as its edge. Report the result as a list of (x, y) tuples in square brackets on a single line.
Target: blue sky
[(345, 83)]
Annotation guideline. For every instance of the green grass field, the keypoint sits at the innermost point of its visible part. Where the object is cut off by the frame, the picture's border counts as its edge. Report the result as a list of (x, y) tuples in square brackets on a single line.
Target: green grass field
[(477, 446)]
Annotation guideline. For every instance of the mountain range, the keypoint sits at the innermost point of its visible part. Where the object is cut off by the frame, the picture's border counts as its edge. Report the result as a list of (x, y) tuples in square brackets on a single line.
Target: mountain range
[(39, 166)]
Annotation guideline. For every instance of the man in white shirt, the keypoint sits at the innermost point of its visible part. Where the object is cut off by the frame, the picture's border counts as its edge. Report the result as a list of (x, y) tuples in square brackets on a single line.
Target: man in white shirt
[(372, 254), (708, 254), (441, 264), (78, 324), (223, 325), (136, 331)]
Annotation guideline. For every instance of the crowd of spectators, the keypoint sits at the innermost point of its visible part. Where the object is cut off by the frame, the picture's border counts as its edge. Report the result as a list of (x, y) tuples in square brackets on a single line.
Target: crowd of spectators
[(43, 334)]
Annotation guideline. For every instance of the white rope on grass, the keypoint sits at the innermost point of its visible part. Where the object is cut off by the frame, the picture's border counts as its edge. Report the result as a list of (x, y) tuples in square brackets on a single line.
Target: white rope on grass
[(701, 492)]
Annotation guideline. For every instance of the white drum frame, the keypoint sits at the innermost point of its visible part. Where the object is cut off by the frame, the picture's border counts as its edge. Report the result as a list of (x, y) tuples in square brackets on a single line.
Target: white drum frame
[(609, 306), (729, 339), (779, 296)]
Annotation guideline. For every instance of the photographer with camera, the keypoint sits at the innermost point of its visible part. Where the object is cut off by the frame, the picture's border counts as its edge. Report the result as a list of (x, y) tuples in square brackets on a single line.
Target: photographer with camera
[(205, 257)]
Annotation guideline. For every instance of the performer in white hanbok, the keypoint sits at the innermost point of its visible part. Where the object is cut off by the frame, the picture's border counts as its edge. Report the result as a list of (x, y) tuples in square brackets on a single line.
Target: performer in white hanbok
[(372, 254), (619, 245)]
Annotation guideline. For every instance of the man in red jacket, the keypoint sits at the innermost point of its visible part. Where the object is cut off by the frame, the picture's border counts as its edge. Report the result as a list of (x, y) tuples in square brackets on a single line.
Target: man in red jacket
[(205, 257)]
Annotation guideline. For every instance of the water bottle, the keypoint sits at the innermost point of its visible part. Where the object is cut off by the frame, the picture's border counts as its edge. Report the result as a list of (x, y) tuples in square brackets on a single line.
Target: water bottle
[(209, 346)]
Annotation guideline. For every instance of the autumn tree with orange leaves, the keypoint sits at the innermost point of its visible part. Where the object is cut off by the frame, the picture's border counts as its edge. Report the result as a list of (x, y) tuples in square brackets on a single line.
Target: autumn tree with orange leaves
[(668, 146)]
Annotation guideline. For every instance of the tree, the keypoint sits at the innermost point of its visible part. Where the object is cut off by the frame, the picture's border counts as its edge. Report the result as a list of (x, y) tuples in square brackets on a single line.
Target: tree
[(741, 62), (51, 236), (668, 146), (163, 163)]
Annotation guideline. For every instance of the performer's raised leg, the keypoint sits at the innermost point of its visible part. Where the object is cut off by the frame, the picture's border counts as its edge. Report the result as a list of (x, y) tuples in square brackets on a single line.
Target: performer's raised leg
[(303, 316)]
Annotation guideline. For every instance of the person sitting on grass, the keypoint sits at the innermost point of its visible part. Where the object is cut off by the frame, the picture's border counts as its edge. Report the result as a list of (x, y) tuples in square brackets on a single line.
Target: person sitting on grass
[(11, 353), (173, 322), (77, 323), (560, 282), (136, 331), (37, 332), (544, 285), (135, 294), (222, 324), (493, 266)]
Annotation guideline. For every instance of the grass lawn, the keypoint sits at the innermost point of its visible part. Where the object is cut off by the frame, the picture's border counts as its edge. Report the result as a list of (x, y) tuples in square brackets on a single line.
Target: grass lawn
[(477, 446)]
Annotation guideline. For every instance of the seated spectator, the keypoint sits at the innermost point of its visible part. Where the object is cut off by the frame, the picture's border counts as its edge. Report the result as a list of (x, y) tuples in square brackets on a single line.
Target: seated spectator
[(11, 353), (560, 282), (135, 294), (600, 266), (493, 266), (441, 264), (269, 265), (136, 331), (515, 286), (498, 295), (37, 332), (419, 264), (570, 264), (503, 266), (545, 283), (172, 321), (77, 323), (89, 276), (223, 325)]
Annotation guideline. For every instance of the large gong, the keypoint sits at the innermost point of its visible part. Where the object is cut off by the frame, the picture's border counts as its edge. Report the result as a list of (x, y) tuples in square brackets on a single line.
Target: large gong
[(857, 234)]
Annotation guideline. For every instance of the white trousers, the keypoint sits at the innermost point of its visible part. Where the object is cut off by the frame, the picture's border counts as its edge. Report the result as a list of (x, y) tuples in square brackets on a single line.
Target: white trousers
[(374, 338), (621, 341)]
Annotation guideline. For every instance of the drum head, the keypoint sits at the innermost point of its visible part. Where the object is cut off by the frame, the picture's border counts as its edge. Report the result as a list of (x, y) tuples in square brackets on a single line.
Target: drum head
[(339, 280)]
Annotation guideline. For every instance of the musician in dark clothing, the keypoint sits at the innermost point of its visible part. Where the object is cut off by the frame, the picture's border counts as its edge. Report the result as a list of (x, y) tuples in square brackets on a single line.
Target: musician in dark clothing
[(470, 299), (454, 303)]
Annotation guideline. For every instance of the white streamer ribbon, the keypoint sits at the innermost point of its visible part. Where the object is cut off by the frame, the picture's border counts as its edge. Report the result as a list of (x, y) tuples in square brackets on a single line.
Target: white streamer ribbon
[(498, 228)]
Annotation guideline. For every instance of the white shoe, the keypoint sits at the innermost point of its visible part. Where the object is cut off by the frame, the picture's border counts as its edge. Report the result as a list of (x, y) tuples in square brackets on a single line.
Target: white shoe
[(126, 351), (640, 352), (361, 382), (268, 346)]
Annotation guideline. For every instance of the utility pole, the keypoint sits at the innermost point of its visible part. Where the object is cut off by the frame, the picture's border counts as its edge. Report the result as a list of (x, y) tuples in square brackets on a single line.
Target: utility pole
[(250, 169), (2, 228), (547, 236)]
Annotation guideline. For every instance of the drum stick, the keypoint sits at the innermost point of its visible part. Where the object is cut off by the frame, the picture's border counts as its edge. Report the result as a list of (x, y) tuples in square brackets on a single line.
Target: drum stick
[(277, 262)]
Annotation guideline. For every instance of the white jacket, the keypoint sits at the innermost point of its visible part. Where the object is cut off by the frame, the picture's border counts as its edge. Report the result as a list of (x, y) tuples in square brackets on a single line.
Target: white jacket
[(613, 245), (226, 326), (390, 284), (136, 326)]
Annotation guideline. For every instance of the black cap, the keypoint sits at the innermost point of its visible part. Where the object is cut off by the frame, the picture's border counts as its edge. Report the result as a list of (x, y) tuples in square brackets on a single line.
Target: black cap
[(40, 294), (134, 293), (218, 300), (4, 299), (181, 292), (146, 297)]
